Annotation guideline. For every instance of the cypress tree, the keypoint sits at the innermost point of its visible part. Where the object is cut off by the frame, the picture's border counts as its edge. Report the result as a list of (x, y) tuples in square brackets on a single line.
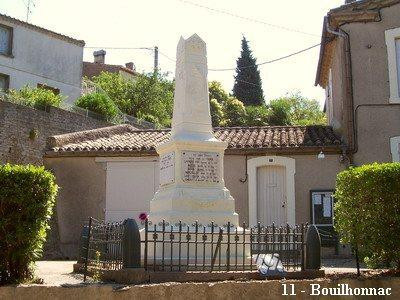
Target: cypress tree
[(248, 87)]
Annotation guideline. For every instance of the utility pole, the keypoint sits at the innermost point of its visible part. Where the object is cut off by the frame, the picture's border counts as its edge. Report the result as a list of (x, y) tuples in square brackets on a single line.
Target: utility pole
[(28, 9), (155, 59)]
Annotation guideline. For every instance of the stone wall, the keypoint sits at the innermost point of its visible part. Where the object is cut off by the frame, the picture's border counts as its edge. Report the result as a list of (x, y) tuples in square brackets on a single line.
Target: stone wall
[(24, 130), (23, 135)]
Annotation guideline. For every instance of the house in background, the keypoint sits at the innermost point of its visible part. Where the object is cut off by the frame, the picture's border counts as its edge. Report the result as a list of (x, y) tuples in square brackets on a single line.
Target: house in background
[(34, 56), (359, 68), (272, 173), (91, 69)]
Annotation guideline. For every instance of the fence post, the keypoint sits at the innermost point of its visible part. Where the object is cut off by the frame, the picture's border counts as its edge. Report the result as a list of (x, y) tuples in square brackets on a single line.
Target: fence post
[(313, 248), (131, 244), (83, 243), (87, 250)]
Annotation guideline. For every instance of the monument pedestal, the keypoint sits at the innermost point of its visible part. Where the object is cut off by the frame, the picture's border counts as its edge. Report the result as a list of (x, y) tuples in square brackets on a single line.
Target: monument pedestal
[(192, 186)]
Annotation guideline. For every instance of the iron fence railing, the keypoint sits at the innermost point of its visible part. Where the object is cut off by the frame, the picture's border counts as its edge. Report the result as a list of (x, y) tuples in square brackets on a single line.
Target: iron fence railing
[(191, 247), (101, 246), (196, 247)]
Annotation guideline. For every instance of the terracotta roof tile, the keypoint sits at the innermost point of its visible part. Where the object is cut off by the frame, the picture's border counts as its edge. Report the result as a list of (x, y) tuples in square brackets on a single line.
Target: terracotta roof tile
[(126, 138)]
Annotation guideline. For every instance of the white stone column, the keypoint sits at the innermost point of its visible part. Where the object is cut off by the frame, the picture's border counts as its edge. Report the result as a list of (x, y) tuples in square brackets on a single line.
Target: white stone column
[(191, 163)]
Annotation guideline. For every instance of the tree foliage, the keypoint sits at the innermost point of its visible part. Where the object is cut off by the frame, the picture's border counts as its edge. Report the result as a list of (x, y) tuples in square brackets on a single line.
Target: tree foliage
[(99, 103), (27, 197), (248, 85), (217, 92), (367, 211), (235, 112), (217, 113), (295, 109), (35, 97), (147, 95)]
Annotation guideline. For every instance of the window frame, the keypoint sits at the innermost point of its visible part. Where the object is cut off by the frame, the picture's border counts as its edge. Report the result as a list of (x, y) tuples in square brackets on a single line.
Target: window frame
[(10, 41), (394, 148), (7, 77), (391, 35)]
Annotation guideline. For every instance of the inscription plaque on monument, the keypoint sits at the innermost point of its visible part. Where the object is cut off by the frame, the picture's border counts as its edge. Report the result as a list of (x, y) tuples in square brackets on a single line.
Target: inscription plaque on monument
[(201, 166), (167, 168)]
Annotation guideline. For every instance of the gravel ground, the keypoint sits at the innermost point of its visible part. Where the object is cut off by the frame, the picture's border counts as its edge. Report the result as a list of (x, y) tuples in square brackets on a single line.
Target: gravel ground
[(59, 273)]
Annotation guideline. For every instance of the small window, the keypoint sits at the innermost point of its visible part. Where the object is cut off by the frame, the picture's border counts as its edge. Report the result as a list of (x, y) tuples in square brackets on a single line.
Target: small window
[(4, 82), (392, 37), (46, 87), (395, 148), (6, 34)]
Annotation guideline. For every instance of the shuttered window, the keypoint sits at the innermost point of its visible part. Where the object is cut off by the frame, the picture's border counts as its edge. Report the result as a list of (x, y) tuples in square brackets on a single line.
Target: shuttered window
[(5, 40)]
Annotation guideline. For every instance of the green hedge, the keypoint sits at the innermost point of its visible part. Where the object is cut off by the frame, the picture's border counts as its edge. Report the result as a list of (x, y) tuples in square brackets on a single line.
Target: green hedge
[(27, 197), (367, 212), (99, 103)]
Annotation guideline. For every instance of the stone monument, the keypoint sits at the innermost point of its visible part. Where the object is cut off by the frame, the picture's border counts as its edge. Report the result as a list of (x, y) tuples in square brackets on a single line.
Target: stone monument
[(192, 184)]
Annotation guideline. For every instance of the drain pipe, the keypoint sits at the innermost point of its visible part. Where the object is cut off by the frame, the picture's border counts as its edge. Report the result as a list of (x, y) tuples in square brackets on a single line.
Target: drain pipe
[(349, 91)]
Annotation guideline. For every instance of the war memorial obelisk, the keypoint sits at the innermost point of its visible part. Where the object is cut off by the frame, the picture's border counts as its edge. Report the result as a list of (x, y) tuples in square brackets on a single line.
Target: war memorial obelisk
[(192, 184)]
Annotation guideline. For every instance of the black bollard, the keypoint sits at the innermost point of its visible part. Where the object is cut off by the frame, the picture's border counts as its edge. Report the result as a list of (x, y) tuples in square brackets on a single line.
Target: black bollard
[(131, 244), (313, 248)]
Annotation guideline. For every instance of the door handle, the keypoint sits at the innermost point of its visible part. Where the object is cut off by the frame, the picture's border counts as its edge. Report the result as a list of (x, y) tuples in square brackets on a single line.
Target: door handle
[(283, 203)]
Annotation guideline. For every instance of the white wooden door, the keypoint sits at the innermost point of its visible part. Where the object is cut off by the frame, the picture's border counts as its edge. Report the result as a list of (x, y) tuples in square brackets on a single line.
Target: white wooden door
[(271, 195), (130, 187)]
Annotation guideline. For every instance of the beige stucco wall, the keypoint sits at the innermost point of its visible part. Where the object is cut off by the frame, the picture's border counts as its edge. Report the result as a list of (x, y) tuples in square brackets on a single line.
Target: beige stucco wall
[(375, 124), (82, 194), (311, 174)]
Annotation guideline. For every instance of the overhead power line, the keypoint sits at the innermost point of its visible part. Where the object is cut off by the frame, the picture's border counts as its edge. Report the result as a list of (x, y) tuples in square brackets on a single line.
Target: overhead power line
[(247, 18), (122, 48), (270, 61)]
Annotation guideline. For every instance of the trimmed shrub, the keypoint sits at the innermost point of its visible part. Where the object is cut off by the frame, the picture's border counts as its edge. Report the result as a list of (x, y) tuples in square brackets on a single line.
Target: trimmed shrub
[(98, 103), (367, 212), (35, 97), (27, 197)]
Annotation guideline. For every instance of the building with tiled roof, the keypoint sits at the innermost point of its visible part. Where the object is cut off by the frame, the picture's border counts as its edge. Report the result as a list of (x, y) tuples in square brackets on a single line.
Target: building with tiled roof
[(92, 69), (127, 140), (38, 57), (120, 163)]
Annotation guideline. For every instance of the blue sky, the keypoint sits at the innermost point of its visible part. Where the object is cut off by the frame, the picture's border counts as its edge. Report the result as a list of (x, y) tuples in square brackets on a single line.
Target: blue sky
[(284, 27)]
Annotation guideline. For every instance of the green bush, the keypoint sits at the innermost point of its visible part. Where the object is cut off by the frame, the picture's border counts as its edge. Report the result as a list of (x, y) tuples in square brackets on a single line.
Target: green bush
[(35, 97), (367, 212), (257, 115), (235, 112), (217, 113), (27, 197), (98, 103)]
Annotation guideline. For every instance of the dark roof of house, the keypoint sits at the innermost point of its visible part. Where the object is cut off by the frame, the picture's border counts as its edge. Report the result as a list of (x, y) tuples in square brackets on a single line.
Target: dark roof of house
[(42, 30), (358, 11), (127, 140), (91, 69)]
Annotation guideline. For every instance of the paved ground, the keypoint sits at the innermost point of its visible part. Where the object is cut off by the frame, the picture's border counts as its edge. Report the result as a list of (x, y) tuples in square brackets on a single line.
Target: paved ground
[(57, 273), (60, 272)]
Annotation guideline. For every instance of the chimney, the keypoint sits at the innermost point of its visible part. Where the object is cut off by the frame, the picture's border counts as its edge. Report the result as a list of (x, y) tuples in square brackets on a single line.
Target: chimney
[(99, 56), (130, 66)]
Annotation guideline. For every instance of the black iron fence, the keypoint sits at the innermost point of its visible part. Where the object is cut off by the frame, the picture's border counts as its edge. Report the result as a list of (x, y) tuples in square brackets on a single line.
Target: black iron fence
[(101, 246), (194, 247)]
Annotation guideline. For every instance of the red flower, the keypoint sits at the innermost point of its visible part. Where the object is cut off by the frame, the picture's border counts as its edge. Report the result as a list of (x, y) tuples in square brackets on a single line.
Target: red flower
[(143, 216)]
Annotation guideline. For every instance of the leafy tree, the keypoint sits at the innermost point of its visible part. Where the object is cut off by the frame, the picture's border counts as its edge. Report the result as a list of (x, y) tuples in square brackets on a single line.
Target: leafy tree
[(148, 95), (217, 113), (99, 103), (257, 115), (217, 92), (116, 87), (35, 97), (295, 109), (248, 86), (235, 112)]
